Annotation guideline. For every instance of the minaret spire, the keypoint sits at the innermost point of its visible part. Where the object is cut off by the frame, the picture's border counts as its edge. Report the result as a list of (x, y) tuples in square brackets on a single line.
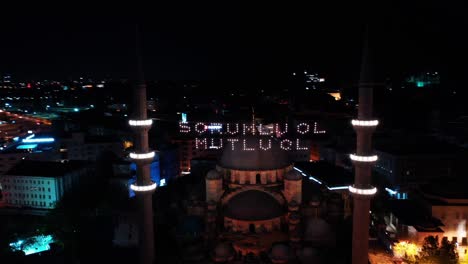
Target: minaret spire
[(143, 157), (140, 78), (362, 190)]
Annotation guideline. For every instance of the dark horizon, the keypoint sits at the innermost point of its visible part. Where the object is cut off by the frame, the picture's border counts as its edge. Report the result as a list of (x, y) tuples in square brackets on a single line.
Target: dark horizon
[(210, 42)]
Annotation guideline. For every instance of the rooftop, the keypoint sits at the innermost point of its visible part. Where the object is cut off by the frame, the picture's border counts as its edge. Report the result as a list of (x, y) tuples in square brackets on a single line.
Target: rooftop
[(44, 168), (328, 174), (422, 146), (413, 214), (446, 192)]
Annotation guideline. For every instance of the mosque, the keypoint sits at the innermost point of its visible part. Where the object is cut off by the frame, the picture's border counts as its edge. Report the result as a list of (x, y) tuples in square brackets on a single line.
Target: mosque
[(256, 206)]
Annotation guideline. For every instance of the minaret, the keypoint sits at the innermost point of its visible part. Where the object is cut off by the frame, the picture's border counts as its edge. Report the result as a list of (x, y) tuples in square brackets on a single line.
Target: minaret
[(362, 190), (143, 157)]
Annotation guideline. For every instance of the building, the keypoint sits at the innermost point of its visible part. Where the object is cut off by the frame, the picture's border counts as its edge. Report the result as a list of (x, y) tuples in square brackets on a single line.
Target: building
[(169, 168), (448, 202), (188, 150), (243, 178), (407, 220), (259, 198), (427, 79), (416, 161), (82, 147), (125, 229), (40, 184), (438, 209), (35, 148)]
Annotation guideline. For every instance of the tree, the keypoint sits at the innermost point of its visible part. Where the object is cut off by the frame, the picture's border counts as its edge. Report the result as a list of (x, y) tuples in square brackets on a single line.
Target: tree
[(448, 252), (431, 253), (430, 247), (407, 251)]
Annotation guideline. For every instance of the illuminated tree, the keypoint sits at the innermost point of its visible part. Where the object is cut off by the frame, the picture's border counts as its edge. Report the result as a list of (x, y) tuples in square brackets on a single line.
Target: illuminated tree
[(407, 251)]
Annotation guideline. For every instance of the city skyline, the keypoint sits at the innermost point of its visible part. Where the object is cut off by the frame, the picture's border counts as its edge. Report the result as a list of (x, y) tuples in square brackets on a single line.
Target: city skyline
[(208, 133), (237, 42)]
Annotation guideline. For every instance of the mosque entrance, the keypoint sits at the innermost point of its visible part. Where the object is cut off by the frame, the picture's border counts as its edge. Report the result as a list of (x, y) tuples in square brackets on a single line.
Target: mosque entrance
[(252, 228)]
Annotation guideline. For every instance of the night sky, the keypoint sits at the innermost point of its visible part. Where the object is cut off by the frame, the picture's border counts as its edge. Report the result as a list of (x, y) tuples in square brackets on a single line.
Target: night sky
[(186, 41)]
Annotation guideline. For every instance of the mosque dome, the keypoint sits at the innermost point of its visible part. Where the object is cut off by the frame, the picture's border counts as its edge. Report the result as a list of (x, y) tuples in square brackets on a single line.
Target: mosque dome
[(279, 253), (309, 255), (257, 159), (318, 231), (223, 252), (253, 205)]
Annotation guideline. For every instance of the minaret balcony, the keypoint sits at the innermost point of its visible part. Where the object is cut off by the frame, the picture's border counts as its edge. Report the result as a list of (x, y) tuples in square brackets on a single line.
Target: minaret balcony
[(367, 191), (358, 158), (143, 188)]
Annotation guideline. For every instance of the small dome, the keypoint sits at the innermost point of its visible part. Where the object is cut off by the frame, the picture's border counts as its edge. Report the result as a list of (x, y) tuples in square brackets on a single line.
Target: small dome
[(309, 251), (293, 175), (309, 255), (223, 251), (318, 231), (280, 252), (213, 175)]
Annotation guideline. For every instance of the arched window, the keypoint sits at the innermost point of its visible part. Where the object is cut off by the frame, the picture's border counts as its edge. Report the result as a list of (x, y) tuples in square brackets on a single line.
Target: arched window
[(252, 228)]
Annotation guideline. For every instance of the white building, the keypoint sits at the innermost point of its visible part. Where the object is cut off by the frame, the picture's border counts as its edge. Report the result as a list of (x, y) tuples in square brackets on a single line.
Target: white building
[(40, 184), (80, 147), (125, 229)]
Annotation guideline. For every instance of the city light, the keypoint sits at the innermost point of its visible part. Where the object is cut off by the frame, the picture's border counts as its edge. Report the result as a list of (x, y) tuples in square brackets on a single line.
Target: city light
[(245, 146), (338, 188), (214, 146), (318, 131), (215, 127), (38, 140), (310, 177), (371, 191), (363, 158), (148, 155), (144, 188), (263, 147), (315, 180), (303, 128), (236, 131), (162, 182), (406, 250), (33, 245), (147, 122), (390, 191), (27, 146), (286, 144), (368, 123)]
